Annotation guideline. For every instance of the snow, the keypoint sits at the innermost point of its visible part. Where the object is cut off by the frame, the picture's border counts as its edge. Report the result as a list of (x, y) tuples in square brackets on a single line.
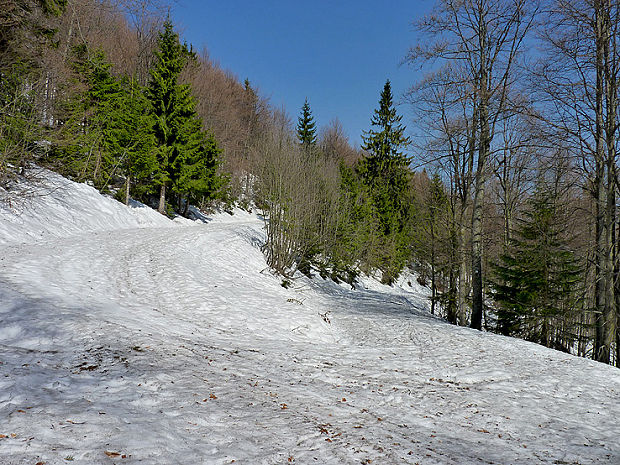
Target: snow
[(126, 337)]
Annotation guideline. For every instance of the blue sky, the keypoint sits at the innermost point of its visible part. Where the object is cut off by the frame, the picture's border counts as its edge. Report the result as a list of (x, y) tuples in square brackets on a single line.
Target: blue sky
[(338, 54)]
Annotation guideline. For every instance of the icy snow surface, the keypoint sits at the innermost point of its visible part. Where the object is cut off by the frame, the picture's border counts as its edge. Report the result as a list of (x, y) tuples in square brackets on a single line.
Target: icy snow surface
[(128, 338)]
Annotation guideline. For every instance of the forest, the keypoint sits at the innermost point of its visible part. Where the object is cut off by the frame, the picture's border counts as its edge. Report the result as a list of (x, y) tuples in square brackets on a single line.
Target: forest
[(499, 190)]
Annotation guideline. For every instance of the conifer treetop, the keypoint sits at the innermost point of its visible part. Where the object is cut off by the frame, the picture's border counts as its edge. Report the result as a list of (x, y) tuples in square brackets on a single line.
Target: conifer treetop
[(389, 140), (306, 127)]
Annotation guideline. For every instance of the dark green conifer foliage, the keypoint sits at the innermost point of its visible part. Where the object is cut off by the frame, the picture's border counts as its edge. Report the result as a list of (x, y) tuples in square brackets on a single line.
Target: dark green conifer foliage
[(385, 143), (86, 145), (357, 231), (132, 138), (185, 152), (537, 280), (306, 130), (385, 168), (198, 174), (170, 103), (385, 173), (107, 129)]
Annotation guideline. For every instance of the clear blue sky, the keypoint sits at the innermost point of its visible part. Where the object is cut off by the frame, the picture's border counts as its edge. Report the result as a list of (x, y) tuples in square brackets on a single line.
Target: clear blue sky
[(338, 54)]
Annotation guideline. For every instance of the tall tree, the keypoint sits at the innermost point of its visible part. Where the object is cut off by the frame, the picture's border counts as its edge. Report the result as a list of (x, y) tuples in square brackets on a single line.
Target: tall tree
[(132, 138), (444, 112), (187, 155), (89, 117), (170, 102), (482, 38), (306, 127), (577, 84), (386, 143), (385, 172)]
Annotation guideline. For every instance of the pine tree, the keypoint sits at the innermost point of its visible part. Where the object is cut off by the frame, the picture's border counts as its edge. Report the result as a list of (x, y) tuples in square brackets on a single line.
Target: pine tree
[(198, 174), (172, 106), (178, 129), (306, 130), (132, 138), (384, 145), (385, 173), (89, 116), (536, 282)]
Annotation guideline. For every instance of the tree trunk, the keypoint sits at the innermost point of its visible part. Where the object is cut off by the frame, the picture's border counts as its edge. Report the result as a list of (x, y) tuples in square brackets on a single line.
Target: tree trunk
[(477, 211), (127, 189), (451, 308), (463, 284), (611, 88), (186, 207), (476, 249), (162, 199), (617, 339), (484, 149), (604, 196), (433, 277)]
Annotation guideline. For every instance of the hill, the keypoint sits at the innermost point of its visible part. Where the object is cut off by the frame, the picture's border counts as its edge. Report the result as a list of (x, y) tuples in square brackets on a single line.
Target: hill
[(130, 338)]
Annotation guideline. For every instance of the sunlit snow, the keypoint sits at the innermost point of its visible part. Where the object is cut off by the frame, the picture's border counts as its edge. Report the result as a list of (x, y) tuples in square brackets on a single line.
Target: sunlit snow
[(129, 338)]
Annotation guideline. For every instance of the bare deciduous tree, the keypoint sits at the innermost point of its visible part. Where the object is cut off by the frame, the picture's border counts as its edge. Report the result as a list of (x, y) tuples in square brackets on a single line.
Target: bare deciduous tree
[(578, 85), (482, 39)]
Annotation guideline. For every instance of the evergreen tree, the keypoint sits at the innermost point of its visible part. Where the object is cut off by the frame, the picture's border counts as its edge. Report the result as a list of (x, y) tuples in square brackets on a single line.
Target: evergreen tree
[(89, 118), (306, 130), (107, 128), (132, 138), (384, 144), (198, 176), (385, 173), (178, 129), (536, 282)]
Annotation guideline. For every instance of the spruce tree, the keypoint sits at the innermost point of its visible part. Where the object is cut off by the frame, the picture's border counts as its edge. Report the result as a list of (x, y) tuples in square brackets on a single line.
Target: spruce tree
[(385, 143), (171, 106), (306, 130), (132, 137), (182, 144), (536, 282), (88, 119), (385, 173), (198, 174)]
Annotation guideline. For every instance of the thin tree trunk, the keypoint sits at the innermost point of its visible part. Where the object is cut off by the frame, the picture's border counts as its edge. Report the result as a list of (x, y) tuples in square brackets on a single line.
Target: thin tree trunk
[(463, 284), (451, 310), (483, 152), (127, 189), (433, 277), (617, 339)]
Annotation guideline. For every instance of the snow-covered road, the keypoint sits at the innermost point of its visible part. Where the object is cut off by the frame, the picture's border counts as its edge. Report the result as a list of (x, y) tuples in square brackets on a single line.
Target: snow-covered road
[(174, 345)]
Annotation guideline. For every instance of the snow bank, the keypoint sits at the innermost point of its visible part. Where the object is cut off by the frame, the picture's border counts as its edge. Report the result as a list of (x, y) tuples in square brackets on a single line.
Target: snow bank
[(54, 206)]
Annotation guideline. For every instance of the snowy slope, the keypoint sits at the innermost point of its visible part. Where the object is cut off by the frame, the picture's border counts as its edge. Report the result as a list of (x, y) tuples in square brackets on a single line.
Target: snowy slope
[(129, 338), (57, 207)]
